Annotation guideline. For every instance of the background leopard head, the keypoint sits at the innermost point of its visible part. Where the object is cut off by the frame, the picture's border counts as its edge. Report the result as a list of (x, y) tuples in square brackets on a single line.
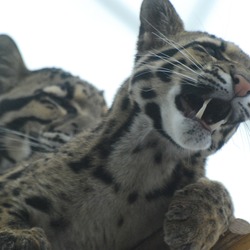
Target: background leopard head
[(41, 109)]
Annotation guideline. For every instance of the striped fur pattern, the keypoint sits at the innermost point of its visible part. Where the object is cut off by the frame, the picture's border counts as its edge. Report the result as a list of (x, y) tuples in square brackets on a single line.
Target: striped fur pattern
[(143, 167), (42, 109)]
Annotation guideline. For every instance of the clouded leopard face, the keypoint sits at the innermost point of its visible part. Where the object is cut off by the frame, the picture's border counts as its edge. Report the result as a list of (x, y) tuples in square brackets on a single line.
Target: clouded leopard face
[(193, 86)]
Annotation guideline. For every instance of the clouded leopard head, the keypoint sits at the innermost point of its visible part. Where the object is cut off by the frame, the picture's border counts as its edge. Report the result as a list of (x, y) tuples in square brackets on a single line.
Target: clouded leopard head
[(193, 86)]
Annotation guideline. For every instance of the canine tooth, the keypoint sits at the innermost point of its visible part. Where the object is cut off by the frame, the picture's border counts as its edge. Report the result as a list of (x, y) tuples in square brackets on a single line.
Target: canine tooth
[(203, 108), (217, 125)]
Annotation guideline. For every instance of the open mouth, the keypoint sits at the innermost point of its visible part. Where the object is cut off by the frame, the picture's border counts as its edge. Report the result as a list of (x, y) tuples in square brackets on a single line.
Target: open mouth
[(211, 113)]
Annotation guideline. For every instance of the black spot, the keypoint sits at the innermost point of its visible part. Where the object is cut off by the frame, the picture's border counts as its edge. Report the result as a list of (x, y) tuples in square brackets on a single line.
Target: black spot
[(65, 75), (144, 75), (165, 72), (2, 184), (120, 222), (137, 149), (15, 175), (21, 215), (148, 93), (103, 174), (103, 149), (173, 184), (122, 129), (125, 103), (152, 144), (220, 144), (194, 66), (68, 88), (40, 203), (59, 223), (164, 55), (223, 46), (117, 187), (6, 205), (84, 163), (16, 191), (153, 111), (65, 197), (188, 173), (158, 158), (132, 198), (194, 158)]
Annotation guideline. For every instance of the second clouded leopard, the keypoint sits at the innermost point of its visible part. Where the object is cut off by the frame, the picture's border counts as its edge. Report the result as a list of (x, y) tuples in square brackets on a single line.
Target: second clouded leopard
[(40, 109), (143, 168)]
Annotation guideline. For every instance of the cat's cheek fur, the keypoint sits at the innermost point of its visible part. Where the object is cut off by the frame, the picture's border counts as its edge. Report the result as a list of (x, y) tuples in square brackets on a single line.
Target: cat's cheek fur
[(187, 133)]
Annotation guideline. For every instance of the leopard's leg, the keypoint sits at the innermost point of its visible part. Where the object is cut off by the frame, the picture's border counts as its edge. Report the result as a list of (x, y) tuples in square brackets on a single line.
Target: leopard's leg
[(197, 216)]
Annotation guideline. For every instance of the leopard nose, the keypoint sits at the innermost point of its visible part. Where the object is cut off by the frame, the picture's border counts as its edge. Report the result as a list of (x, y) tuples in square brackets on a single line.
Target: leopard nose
[(242, 86)]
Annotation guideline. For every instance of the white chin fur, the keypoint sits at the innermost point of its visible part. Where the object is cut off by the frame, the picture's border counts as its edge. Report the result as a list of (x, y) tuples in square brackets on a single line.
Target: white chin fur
[(187, 133), (191, 135)]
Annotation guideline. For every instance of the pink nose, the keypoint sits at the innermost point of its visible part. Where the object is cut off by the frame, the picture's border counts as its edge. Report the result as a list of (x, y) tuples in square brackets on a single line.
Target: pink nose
[(242, 86)]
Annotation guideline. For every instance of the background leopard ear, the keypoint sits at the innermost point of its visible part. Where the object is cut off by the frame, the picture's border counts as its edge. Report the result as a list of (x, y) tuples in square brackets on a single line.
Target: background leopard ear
[(12, 67), (158, 20)]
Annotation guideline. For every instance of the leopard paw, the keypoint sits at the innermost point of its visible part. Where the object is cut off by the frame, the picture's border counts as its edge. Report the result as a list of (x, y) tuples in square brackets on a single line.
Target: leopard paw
[(23, 239), (197, 216)]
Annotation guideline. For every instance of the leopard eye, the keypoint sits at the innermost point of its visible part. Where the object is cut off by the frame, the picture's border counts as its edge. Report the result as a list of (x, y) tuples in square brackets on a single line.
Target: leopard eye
[(207, 50), (215, 52), (211, 51), (48, 103)]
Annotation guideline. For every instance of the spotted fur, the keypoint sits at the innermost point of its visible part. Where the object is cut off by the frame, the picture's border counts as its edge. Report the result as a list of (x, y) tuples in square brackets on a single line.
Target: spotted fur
[(143, 167), (42, 109)]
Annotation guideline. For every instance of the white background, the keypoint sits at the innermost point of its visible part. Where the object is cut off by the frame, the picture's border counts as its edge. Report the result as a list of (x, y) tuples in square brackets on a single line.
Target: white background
[(95, 39)]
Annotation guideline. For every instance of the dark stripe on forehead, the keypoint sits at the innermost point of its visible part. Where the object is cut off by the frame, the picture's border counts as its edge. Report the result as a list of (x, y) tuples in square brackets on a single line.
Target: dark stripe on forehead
[(167, 54), (15, 104)]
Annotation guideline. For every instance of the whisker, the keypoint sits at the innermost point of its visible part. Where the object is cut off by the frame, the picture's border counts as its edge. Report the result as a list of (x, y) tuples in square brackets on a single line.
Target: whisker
[(14, 132), (181, 49), (163, 70), (178, 65), (31, 143), (13, 136)]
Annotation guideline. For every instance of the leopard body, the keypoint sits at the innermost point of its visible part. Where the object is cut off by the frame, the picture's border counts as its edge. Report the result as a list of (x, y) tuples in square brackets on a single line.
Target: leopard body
[(143, 167)]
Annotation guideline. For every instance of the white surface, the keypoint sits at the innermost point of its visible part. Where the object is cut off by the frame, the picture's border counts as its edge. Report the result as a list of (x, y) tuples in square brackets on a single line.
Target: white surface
[(83, 37)]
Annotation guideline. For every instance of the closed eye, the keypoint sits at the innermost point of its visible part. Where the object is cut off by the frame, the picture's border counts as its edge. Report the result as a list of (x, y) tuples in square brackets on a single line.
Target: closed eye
[(210, 49), (213, 50)]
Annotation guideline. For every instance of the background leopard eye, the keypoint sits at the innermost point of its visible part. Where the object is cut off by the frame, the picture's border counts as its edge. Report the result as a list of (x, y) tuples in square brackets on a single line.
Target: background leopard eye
[(48, 103)]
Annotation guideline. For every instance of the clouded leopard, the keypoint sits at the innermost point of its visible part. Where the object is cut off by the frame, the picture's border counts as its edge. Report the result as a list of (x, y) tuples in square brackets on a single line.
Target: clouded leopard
[(143, 167), (40, 109)]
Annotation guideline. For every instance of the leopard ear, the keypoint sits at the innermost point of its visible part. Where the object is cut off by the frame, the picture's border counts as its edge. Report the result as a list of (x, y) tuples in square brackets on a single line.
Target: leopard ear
[(12, 67), (158, 19)]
